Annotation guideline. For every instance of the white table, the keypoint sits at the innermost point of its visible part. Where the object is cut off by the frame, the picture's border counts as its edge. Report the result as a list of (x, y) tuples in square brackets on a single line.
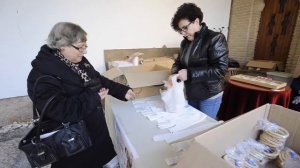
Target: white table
[(134, 137)]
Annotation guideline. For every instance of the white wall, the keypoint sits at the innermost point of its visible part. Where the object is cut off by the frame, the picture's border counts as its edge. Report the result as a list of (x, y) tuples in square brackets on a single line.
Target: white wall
[(110, 24)]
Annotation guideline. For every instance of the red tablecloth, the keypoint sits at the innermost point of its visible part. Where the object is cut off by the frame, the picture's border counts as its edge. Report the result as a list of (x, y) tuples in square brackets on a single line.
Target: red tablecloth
[(239, 98)]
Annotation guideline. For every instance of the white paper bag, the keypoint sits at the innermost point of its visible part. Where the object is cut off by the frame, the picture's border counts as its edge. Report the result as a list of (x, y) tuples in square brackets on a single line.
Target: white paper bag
[(173, 98)]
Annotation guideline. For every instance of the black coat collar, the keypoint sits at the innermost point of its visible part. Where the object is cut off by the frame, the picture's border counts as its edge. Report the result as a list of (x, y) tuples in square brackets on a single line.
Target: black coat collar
[(47, 63)]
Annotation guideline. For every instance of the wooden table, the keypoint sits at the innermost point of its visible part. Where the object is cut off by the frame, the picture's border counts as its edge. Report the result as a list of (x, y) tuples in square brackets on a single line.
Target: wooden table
[(239, 98)]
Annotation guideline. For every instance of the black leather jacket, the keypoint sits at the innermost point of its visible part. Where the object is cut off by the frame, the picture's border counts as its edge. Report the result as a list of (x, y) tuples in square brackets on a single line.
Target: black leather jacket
[(206, 65)]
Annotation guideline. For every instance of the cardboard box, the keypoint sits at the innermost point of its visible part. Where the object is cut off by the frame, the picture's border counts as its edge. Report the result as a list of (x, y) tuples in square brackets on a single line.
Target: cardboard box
[(162, 61), (264, 65), (208, 148), (145, 80)]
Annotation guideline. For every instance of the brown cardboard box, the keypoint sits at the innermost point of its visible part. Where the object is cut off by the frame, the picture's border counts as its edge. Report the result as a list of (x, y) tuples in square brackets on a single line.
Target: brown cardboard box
[(262, 65), (155, 59), (122, 54), (162, 61), (145, 79), (208, 148)]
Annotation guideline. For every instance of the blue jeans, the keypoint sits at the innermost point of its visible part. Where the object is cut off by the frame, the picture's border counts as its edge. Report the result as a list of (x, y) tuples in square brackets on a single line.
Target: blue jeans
[(209, 106)]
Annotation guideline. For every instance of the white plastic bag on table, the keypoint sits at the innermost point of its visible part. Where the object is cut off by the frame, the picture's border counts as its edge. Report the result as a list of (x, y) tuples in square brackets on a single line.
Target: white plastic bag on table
[(173, 98)]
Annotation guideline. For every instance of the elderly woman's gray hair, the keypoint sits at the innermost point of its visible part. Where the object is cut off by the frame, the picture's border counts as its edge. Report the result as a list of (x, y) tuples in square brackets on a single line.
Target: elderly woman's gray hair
[(65, 34)]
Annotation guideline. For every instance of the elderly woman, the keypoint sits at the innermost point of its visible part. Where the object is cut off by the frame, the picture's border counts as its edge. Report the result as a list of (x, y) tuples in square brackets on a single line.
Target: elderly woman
[(81, 89), (202, 61)]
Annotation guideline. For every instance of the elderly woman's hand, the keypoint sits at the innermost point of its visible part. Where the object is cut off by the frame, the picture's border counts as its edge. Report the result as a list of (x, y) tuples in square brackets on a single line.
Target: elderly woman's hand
[(103, 93), (130, 95)]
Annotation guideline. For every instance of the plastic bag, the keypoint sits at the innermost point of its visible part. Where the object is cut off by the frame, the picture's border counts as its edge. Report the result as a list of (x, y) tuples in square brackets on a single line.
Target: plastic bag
[(272, 135), (288, 159), (173, 98), (249, 153)]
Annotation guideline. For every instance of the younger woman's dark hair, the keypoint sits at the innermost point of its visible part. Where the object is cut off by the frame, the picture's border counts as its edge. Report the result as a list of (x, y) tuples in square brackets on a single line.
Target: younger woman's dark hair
[(188, 11)]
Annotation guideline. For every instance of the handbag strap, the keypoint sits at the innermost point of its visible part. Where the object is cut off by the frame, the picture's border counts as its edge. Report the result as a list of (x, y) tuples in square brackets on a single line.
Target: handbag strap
[(40, 118), (43, 114), (36, 83), (36, 115)]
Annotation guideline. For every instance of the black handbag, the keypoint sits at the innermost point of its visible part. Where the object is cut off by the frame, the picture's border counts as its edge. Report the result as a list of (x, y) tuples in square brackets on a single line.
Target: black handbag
[(49, 141)]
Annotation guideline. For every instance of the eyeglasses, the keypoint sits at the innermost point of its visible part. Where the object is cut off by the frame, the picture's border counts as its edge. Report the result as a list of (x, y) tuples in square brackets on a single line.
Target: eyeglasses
[(184, 28), (81, 49)]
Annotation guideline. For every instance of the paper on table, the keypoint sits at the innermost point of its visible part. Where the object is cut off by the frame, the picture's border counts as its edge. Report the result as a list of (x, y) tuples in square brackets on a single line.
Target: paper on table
[(179, 121), (173, 137), (156, 103), (166, 125), (191, 131), (158, 117), (184, 125), (174, 122)]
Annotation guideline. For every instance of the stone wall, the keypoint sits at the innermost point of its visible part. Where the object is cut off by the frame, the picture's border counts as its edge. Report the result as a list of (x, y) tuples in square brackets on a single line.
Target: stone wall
[(16, 109), (243, 29), (15, 122), (294, 54)]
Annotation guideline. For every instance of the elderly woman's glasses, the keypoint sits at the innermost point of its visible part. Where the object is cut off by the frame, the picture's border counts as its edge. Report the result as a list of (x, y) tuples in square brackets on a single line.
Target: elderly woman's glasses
[(184, 28), (81, 49)]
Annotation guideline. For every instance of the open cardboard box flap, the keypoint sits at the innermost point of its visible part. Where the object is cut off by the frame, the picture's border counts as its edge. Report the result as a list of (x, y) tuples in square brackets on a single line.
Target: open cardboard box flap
[(140, 76), (113, 73), (199, 156), (161, 61), (214, 142)]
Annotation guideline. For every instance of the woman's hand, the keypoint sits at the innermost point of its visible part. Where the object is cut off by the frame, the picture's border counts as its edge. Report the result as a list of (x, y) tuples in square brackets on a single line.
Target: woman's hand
[(103, 92), (182, 75), (130, 95)]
